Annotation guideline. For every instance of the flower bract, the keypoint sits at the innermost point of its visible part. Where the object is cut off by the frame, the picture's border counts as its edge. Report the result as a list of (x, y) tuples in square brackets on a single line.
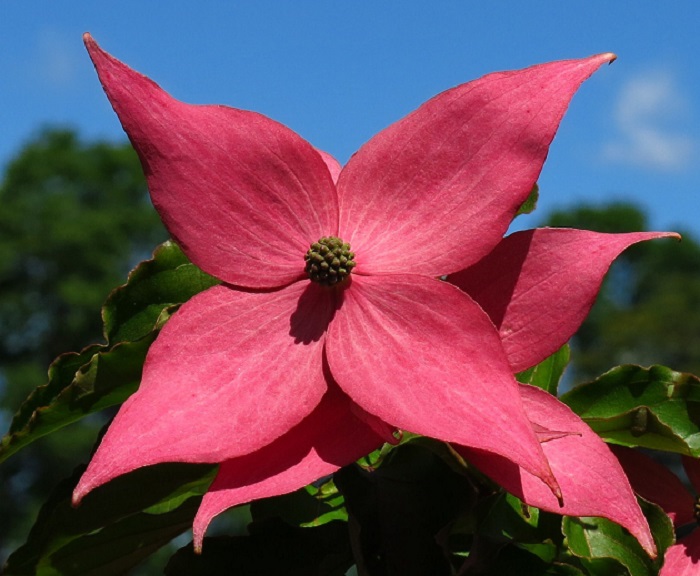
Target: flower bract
[(282, 374)]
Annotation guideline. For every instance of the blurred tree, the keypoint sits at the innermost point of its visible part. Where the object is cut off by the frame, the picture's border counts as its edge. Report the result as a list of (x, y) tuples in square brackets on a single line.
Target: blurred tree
[(74, 218), (648, 311)]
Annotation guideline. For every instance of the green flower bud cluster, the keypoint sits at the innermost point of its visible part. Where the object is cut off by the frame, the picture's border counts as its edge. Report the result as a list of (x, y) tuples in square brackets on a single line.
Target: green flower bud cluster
[(329, 261)]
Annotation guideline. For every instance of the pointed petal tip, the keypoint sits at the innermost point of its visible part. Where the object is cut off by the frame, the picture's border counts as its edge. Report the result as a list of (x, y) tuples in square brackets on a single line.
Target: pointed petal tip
[(198, 541), (90, 43), (82, 489), (560, 497), (646, 540), (79, 493), (553, 485), (657, 235), (95, 52), (199, 527), (609, 57)]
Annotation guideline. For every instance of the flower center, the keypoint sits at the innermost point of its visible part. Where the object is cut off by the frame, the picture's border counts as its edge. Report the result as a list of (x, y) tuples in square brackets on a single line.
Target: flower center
[(696, 509), (329, 261)]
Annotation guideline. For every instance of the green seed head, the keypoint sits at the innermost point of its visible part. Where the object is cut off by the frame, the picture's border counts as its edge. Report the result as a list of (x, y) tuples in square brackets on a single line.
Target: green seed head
[(329, 261)]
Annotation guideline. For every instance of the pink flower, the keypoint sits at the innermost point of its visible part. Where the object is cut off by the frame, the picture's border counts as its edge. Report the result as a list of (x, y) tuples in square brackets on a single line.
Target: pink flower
[(286, 372), (659, 485)]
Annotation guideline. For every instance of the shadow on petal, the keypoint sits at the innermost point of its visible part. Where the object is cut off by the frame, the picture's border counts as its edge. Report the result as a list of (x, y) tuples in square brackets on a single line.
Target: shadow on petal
[(683, 558), (314, 312), (493, 286)]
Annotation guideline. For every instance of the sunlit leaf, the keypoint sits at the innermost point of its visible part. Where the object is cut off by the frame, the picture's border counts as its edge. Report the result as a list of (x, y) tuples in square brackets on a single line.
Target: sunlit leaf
[(167, 280), (605, 548), (509, 517), (530, 203), (548, 373), (650, 407), (314, 505)]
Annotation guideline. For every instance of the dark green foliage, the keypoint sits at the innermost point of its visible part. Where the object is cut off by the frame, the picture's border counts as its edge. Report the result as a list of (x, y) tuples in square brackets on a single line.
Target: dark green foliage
[(116, 526), (272, 548), (399, 514)]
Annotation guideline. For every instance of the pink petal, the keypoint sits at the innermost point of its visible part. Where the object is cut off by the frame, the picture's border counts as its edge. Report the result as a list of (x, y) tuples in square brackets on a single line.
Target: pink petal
[(538, 286), (332, 436), (436, 191), (229, 373), (591, 479), (398, 347), (241, 194), (332, 164), (656, 483), (692, 469), (683, 559)]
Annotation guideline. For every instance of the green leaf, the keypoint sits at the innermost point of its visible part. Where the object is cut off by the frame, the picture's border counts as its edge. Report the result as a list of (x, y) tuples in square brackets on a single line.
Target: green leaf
[(154, 286), (61, 373), (650, 407), (309, 506), (603, 547), (510, 518), (531, 202), (115, 549), (548, 373), (105, 378), (661, 528), (116, 526), (606, 548)]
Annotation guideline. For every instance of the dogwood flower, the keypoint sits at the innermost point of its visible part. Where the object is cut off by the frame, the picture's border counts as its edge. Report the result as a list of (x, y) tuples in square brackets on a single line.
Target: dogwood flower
[(332, 326)]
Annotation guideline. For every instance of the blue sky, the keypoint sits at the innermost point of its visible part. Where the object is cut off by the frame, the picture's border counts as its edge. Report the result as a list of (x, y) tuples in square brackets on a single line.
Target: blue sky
[(339, 71)]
